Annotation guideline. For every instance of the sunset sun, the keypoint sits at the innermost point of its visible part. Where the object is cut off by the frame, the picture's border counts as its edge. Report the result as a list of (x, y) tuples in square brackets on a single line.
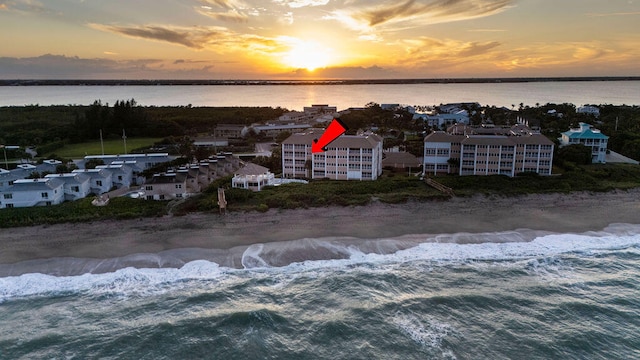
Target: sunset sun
[(308, 55)]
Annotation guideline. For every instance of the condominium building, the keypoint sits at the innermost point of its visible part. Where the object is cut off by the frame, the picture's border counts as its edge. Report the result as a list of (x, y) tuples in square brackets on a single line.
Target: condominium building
[(590, 137), (487, 154), (349, 157)]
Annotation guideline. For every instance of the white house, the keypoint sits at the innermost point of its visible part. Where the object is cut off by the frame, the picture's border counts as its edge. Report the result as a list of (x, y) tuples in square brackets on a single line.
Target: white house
[(438, 120), (588, 109), (121, 175), (145, 161), (76, 185), (253, 177), (101, 179), (8, 177), (166, 187), (48, 166), (590, 137), (33, 192)]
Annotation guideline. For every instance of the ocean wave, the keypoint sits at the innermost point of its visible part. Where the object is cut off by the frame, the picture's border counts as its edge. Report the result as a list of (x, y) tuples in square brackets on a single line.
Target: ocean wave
[(308, 256)]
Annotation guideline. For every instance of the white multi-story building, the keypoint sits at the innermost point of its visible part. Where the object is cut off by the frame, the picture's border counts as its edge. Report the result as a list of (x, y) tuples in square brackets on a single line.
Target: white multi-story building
[(349, 157), (487, 154), (590, 137)]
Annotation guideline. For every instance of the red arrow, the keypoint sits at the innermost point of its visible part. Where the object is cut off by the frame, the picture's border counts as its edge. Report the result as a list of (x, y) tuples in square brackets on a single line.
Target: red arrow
[(335, 129)]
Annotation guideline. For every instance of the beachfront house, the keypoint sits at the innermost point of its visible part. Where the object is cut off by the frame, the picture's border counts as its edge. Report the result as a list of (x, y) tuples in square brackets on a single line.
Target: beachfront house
[(101, 179), (121, 174), (32, 192), (589, 137), (76, 185), (7, 178), (349, 157), (166, 187), (253, 177), (399, 160)]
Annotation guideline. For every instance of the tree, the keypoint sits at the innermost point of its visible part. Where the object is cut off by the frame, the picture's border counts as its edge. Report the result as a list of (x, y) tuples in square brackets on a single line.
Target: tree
[(282, 136), (92, 163), (576, 153)]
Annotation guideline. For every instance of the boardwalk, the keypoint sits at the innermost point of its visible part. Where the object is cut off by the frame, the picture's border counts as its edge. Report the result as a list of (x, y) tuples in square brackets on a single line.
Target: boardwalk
[(436, 185)]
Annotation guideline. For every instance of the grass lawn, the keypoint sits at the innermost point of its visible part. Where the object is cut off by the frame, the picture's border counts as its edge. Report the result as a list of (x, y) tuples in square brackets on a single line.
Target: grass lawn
[(110, 147)]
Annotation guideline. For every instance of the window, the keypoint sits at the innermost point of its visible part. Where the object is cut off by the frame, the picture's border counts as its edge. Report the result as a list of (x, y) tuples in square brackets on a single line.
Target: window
[(75, 188), (178, 195), (148, 187), (149, 197), (120, 177), (99, 182), (161, 197), (44, 195), (8, 196), (9, 206), (48, 203), (178, 186)]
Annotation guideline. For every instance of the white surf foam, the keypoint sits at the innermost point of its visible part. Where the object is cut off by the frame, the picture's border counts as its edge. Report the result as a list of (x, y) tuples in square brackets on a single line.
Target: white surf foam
[(428, 334), (149, 281), (125, 281)]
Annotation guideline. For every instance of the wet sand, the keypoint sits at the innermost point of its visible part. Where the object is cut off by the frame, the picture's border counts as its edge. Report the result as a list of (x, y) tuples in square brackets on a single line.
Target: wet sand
[(234, 232)]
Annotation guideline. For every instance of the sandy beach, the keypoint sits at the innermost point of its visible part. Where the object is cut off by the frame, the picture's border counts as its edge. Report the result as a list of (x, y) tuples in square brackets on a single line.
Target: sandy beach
[(224, 238)]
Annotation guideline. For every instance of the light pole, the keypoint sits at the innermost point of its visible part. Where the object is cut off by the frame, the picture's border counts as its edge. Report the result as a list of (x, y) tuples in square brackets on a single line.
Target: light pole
[(10, 147), (6, 162)]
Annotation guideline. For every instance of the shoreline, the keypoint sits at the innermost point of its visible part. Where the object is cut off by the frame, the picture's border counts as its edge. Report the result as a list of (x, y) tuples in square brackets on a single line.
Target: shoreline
[(225, 238), (254, 82)]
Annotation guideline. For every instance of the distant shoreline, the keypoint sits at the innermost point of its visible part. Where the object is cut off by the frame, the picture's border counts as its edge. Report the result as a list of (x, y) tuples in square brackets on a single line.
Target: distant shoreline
[(123, 82)]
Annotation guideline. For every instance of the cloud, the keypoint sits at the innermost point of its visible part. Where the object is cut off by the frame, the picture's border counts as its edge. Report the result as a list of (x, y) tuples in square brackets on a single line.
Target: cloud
[(23, 6), (72, 67), (439, 54), (225, 4), (487, 30), (232, 15), (613, 14), (198, 37), (301, 3), (570, 57), (234, 10), (417, 12), (194, 38)]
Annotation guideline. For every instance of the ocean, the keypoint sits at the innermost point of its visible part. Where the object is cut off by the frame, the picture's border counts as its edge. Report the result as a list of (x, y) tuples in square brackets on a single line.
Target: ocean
[(509, 295), (295, 97)]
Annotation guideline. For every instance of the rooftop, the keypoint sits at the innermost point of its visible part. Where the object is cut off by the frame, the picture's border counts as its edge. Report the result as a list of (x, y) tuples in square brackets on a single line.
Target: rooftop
[(252, 169), (344, 141)]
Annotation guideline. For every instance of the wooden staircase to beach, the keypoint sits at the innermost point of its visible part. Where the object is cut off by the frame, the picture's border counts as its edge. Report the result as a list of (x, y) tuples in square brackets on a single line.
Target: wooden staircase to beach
[(222, 201), (436, 185)]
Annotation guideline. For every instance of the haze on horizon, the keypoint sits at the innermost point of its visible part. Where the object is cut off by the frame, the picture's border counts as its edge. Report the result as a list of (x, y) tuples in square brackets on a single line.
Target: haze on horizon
[(323, 39)]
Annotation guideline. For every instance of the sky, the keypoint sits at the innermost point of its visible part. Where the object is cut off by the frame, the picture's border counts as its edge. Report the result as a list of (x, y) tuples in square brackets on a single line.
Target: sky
[(317, 39)]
